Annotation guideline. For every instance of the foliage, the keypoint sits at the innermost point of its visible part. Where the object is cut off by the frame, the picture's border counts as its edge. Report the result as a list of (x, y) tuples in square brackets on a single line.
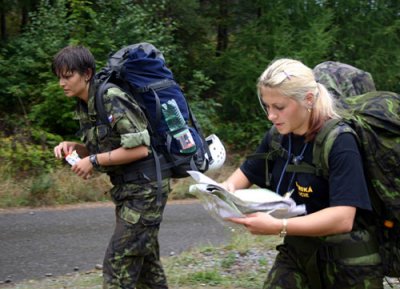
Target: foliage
[(89, 24), (190, 33), (282, 30), (27, 61), (205, 109), (40, 190), (64, 187), (28, 153), (216, 52), (55, 112), (58, 187), (368, 37), (107, 26), (245, 135)]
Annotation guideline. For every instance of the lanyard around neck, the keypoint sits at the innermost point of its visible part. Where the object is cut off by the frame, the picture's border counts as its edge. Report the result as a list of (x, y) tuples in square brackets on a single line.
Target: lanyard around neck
[(296, 161)]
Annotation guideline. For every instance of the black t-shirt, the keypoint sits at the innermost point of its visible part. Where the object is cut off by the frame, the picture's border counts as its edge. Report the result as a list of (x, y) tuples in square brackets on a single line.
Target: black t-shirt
[(346, 185)]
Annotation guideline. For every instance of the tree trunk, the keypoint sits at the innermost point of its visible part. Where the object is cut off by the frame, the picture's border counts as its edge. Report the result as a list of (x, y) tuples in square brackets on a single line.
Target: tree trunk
[(222, 28), (3, 22), (3, 27), (24, 17)]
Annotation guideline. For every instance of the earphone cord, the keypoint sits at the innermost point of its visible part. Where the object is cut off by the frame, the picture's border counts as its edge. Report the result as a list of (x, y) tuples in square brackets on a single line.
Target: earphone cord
[(299, 158), (286, 164)]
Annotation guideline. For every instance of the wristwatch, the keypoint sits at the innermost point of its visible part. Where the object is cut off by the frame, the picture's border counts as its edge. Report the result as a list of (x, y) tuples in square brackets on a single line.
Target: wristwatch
[(93, 161), (283, 232)]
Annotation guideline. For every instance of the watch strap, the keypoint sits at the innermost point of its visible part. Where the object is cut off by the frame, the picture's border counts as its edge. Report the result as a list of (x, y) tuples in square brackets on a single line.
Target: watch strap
[(94, 161), (283, 232)]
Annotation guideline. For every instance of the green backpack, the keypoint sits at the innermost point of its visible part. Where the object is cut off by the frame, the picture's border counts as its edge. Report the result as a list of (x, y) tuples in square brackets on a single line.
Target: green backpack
[(375, 118)]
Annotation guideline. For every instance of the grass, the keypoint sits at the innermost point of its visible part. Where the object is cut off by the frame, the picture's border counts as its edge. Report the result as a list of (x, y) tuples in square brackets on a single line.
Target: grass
[(57, 188), (64, 187), (235, 265), (243, 263)]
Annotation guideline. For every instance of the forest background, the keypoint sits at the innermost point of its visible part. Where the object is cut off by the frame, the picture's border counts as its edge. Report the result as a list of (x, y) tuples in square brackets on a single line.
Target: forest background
[(216, 50)]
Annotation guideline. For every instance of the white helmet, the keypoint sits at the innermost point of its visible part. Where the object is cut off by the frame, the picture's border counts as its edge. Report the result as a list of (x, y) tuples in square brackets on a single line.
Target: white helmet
[(217, 151)]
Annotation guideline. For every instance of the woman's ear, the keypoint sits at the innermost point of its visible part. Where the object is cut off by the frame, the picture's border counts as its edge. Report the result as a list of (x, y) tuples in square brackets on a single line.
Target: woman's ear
[(309, 99), (88, 74)]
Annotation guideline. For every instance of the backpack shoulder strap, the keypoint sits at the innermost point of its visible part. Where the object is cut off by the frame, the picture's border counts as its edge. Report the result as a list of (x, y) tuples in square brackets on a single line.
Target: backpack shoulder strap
[(324, 142), (274, 147), (99, 101), (275, 150)]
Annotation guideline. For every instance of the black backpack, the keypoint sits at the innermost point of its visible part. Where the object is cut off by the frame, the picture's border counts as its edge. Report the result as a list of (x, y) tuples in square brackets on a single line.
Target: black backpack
[(140, 71)]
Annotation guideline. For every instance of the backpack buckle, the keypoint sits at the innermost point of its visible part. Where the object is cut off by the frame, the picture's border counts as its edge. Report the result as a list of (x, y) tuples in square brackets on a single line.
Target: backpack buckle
[(297, 160)]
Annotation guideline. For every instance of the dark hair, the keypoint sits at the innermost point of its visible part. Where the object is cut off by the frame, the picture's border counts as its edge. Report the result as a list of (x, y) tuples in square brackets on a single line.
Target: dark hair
[(73, 59)]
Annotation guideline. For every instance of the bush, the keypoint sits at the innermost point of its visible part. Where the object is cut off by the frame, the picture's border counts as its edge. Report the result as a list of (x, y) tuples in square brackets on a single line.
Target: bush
[(21, 156)]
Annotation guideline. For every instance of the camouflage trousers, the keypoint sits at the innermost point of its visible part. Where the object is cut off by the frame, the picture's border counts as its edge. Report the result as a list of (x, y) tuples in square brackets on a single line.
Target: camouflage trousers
[(308, 267), (132, 259)]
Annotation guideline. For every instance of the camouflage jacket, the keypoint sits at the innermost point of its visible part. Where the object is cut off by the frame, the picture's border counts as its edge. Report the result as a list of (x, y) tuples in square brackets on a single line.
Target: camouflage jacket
[(128, 124)]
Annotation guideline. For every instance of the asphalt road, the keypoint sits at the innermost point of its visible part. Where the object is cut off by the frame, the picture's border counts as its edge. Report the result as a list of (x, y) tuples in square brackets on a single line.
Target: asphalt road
[(34, 243)]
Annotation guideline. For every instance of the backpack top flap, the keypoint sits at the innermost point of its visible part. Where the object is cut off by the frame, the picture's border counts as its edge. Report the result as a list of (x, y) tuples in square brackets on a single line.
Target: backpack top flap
[(117, 59), (145, 71), (144, 66), (343, 80)]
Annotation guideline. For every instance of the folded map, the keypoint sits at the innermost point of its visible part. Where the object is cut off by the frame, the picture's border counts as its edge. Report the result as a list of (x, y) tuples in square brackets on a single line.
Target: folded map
[(222, 204)]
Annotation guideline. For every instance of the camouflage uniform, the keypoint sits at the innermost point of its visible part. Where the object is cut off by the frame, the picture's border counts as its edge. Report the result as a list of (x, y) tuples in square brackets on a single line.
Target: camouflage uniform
[(335, 262), (132, 258), (343, 80)]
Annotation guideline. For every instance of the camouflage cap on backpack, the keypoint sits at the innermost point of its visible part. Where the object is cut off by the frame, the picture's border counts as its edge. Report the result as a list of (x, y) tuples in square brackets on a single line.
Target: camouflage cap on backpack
[(343, 80)]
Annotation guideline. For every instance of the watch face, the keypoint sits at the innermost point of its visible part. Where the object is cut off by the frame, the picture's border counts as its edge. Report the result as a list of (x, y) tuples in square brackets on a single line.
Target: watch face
[(93, 160)]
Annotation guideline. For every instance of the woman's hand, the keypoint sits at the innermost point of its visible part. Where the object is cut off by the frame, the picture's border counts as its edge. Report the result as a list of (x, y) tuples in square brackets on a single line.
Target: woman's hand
[(259, 223)]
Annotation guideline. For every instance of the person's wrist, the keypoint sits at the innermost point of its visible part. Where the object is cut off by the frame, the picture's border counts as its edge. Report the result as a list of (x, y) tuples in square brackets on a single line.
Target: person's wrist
[(283, 231), (93, 160), (228, 186)]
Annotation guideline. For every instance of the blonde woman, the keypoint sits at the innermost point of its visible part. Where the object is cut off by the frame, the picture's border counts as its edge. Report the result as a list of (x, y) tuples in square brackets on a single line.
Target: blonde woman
[(330, 246)]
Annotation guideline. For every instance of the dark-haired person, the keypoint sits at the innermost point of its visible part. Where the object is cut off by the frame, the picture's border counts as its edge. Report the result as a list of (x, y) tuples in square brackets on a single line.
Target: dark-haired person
[(132, 258)]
